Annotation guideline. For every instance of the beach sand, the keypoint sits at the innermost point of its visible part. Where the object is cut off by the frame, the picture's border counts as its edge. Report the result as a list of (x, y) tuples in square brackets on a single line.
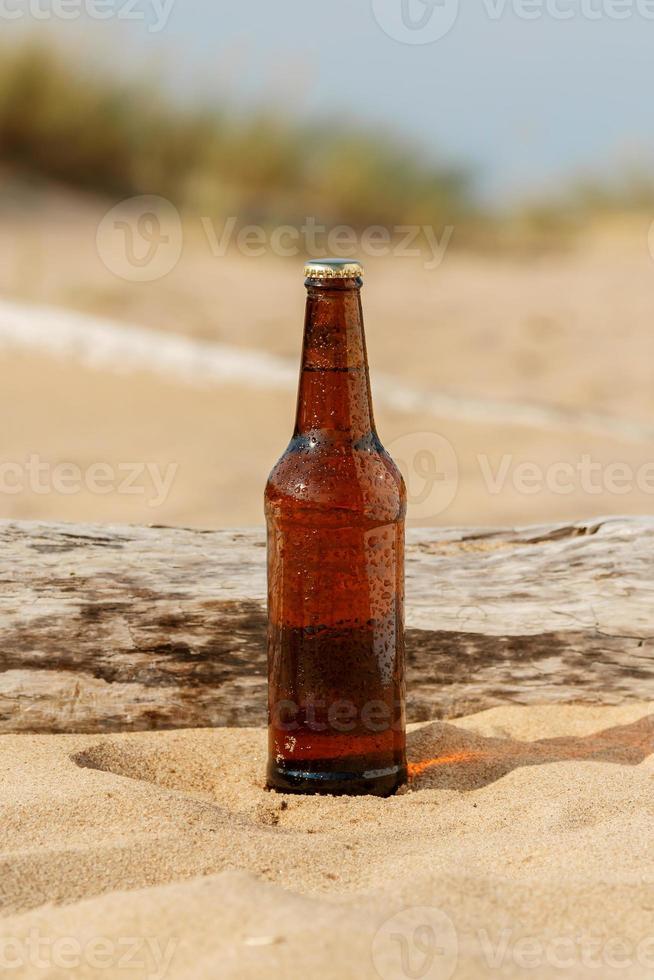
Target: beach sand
[(532, 351), (219, 444), (523, 845)]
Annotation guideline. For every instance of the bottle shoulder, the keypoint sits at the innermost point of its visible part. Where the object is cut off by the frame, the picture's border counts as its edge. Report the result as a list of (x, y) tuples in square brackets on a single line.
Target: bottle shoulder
[(357, 481)]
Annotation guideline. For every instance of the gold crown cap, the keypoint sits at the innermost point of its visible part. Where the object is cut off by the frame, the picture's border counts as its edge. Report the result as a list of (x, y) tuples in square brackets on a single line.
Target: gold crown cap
[(333, 269)]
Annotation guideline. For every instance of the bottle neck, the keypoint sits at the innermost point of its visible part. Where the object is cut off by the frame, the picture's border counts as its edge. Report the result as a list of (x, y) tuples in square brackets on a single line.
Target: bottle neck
[(334, 392)]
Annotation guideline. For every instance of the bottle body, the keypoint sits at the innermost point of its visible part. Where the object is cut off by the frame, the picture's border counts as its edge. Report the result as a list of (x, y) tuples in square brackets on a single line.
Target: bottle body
[(335, 506)]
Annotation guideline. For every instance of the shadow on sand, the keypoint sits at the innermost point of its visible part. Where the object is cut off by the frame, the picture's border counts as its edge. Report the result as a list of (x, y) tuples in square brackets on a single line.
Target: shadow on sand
[(442, 756)]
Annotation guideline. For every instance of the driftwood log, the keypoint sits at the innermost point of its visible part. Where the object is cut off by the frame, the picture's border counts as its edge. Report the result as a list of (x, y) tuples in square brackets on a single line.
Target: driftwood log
[(122, 628)]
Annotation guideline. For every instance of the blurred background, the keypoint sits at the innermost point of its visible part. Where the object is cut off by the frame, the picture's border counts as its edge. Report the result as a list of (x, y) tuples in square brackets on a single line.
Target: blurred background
[(166, 167)]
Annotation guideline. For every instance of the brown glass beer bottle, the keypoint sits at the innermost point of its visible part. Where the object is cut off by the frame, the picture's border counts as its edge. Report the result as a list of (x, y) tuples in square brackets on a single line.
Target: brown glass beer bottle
[(335, 508)]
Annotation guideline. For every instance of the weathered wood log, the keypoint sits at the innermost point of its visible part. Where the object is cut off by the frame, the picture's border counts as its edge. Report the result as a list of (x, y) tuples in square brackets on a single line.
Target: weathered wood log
[(108, 628)]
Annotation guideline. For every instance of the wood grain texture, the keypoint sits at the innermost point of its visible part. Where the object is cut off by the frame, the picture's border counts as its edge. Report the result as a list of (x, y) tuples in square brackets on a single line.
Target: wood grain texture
[(123, 628)]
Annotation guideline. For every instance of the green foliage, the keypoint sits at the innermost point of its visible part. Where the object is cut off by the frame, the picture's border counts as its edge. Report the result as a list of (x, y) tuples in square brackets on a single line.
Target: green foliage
[(83, 127)]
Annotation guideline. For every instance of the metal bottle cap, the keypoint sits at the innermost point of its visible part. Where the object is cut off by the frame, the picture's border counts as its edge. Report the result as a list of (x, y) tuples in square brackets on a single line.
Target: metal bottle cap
[(333, 269)]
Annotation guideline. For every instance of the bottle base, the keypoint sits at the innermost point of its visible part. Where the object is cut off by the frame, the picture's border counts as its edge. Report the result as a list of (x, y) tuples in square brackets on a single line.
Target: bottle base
[(322, 780)]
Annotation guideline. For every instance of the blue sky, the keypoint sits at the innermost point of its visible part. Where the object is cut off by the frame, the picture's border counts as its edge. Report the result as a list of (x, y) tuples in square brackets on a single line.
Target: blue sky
[(525, 102)]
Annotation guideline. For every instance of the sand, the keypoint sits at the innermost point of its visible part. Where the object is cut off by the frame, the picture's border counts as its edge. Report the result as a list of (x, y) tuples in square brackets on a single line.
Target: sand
[(532, 350), (222, 442), (523, 848)]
